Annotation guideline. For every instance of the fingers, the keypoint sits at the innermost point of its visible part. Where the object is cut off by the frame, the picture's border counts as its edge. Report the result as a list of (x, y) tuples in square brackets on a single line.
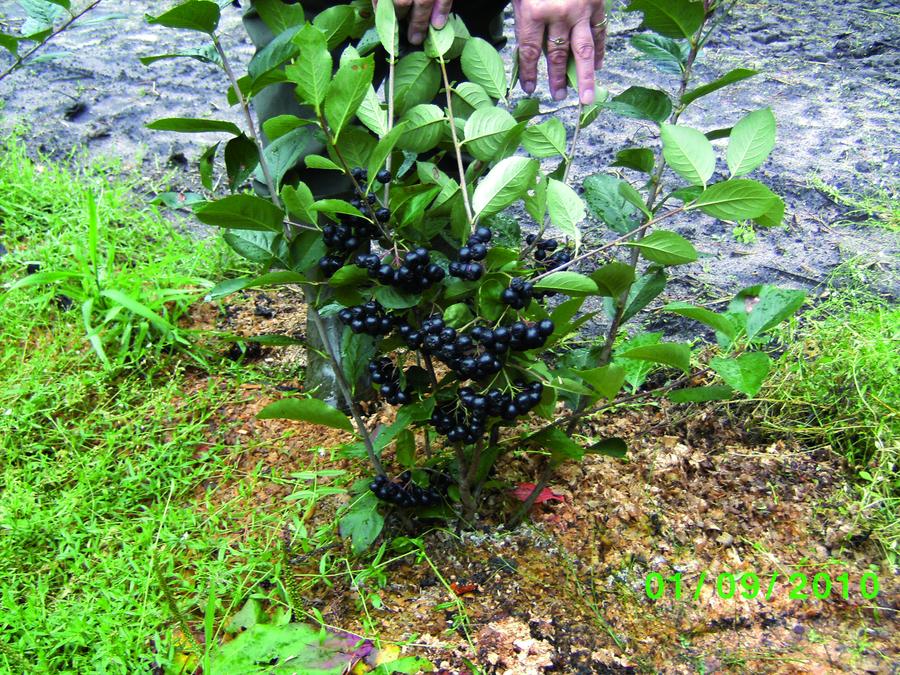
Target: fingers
[(583, 49), (419, 20), (401, 7), (599, 31), (441, 13), (531, 38), (558, 47)]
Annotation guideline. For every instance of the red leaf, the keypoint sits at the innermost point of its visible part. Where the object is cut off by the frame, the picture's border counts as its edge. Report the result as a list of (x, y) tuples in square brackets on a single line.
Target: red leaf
[(523, 490)]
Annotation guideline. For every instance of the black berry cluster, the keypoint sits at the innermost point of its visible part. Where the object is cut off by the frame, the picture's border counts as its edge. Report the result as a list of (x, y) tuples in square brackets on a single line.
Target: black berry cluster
[(385, 374), (468, 264), (466, 423), (415, 274), (548, 252), (519, 293), (404, 492), (370, 318)]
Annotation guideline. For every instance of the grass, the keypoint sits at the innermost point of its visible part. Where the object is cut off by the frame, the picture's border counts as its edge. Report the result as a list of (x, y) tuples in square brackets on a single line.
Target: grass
[(103, 467), (871, 206), (839, 385)]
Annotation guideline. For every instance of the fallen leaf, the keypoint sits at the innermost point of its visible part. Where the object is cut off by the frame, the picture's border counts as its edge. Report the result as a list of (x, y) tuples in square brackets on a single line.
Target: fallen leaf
[(523, 490)]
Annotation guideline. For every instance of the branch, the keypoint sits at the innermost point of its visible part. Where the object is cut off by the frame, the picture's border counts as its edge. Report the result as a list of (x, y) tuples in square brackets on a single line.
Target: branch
[(21, 59), (390, 124), (456, 146)]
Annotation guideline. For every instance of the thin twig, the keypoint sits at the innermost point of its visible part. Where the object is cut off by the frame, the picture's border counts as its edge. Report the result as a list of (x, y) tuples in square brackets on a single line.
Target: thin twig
[(21, 59), (390, 124), (251, 125), (456, 146)]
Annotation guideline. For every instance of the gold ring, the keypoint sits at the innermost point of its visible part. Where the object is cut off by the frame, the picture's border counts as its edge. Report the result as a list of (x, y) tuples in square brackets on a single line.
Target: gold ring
[(560, 41), (602, 24)]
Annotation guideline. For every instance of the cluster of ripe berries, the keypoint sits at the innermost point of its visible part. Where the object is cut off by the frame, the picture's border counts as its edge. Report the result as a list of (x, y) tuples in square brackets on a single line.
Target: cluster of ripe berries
[(519, 293), (415, 274), (466, 423), (544, 252), (468, 264), (404, 492), (370, 318), (385, 374), (353, 233), (480, 352)]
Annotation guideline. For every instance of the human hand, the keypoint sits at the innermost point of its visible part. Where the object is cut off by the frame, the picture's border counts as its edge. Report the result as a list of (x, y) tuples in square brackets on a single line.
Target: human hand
[(572, 26), (421, 13)]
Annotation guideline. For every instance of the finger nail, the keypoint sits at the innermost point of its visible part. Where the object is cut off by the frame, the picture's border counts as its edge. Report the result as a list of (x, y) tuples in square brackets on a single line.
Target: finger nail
[(439, 21), (528, 86), (559, 94), (417, 38), (587, 96)]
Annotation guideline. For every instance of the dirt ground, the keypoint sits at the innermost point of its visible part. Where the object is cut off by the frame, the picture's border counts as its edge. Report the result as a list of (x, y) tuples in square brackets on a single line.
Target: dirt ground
[(701, 495)]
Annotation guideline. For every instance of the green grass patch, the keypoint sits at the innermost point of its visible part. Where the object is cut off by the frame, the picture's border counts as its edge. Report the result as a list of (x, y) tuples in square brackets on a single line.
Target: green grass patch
[(110, 472), (868, 205), (839, 385)]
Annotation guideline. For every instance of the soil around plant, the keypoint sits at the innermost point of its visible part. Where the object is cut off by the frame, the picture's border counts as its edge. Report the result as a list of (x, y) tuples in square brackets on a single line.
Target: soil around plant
[(700, 494)]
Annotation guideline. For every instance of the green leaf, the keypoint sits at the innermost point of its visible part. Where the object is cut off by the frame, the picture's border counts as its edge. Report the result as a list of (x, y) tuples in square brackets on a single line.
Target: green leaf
[(274, 55), (241, 158), (383, 150), (199, 15), (363, 522), (348, 275), (10, 43), (736, 199), (701, 394), (284, 153), (204, 54), (666, 54), (689, 153), (636, 371), (439, 42), (607, 380), (751, 141), (772, 306), (731, 77), (638, 159), (205, 165), (566, 209), (295, 647), (666, 248), (643, 292), (310, 410), (547, 139), (405, 451), (718, 322), (258, 247), (473, 95), (561, 447), (483, 65), (527, 108), (606, 203), (187, 125), (337, 23), (276, 127), (372, 114), (506, 182), (312, 69), (567, 282), (485, 132), (671, 18), (388, 30), (346, 91), (424, 128), (633, 197), (241, 212), (774, 216), (390, 298), (298, 200), (675, 354), (278, 15), (332, 207), (322, 163), (613, 279), (610, 447), (416, 80), (457, 315), (138, 308), (642, 104), (746, 373)]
